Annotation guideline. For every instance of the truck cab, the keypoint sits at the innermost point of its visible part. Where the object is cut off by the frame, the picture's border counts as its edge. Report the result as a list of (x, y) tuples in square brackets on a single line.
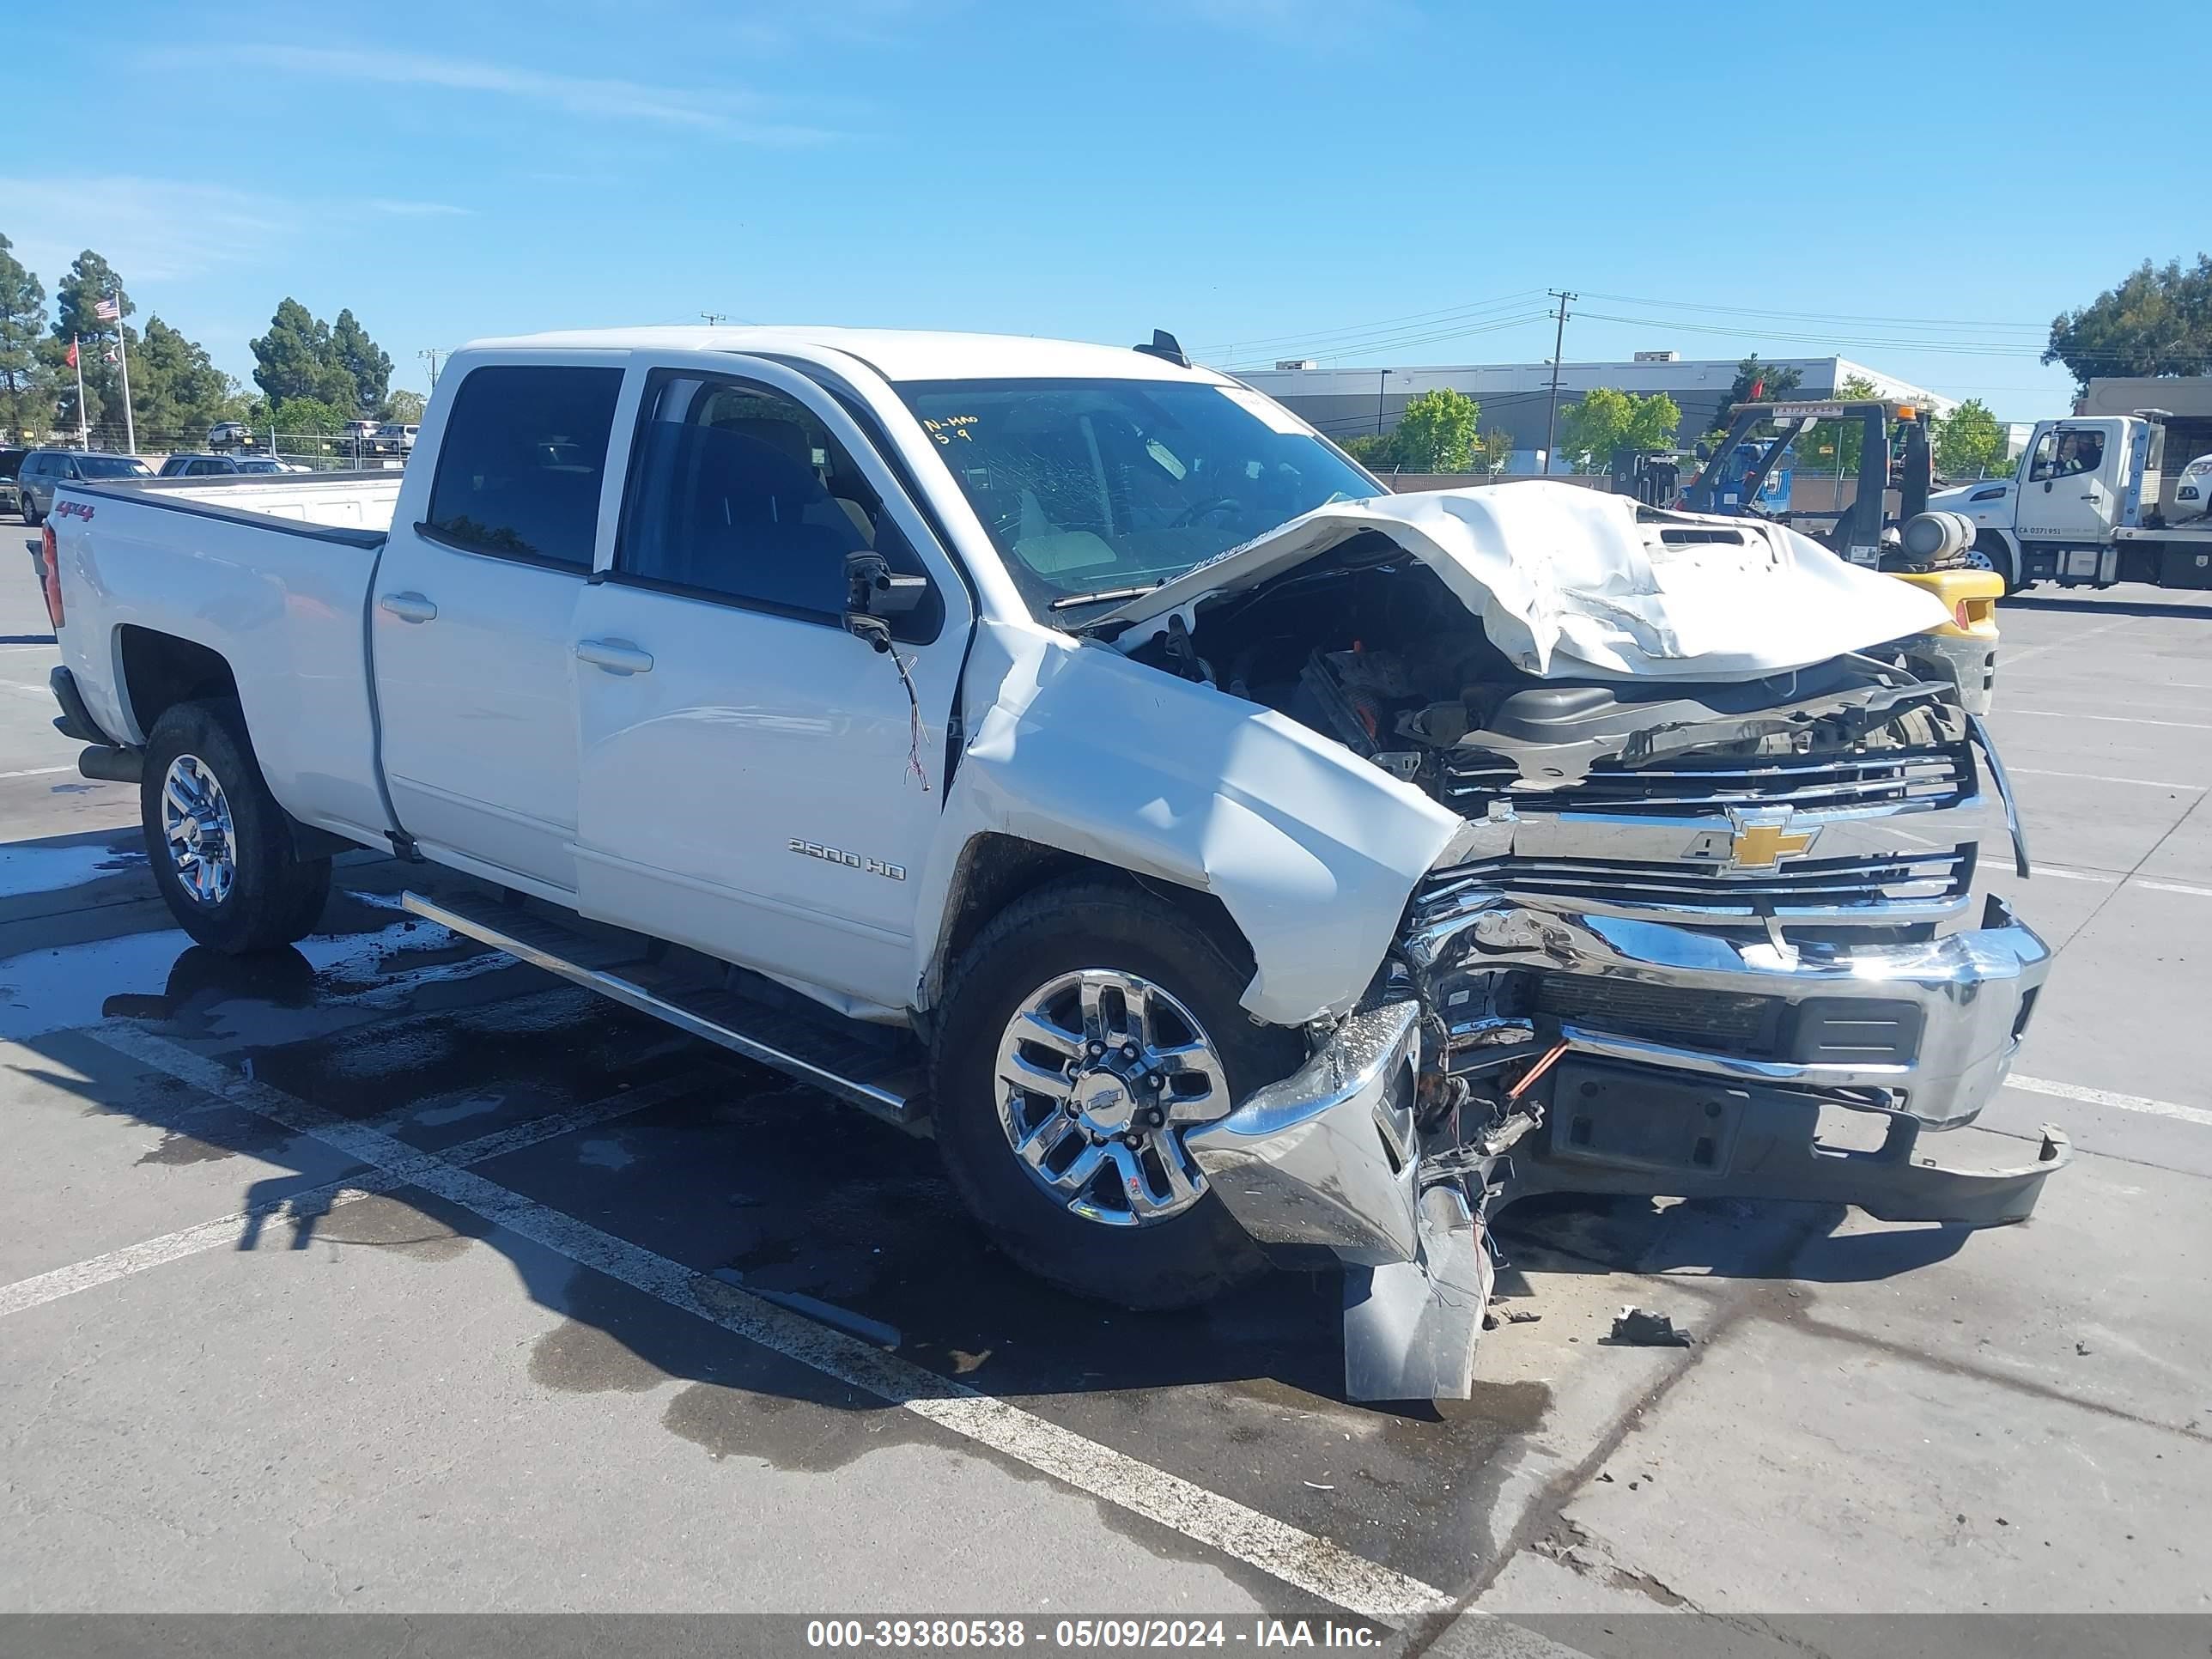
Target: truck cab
[(2088, 506)]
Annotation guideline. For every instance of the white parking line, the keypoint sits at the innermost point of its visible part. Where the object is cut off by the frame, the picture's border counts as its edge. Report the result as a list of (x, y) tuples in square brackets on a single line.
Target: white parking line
[(237, 1229), (38, 772), (2109, 878), (2038, 1085), (2113, 719), (1288, 1553), (2099, 777)]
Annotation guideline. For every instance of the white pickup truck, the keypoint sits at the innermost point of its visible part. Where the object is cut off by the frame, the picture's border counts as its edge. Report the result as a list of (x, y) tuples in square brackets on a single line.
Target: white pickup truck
[(1067, 751)]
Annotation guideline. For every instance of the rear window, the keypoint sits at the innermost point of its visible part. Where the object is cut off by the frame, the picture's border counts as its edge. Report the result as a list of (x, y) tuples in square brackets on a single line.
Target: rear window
[(110, 466), (520, 470)]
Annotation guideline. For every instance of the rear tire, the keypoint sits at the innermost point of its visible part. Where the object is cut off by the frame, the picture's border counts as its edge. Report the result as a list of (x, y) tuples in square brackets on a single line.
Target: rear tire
[(1074, 935), (32, 516), (219, 845)]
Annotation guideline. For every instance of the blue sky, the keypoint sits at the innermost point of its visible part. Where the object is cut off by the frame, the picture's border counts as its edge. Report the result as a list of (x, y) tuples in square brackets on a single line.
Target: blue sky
[(1362, 183)]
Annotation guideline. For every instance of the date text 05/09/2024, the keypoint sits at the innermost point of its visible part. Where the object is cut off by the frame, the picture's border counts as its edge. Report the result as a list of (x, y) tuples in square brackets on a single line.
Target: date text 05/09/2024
[(1250, 1631)]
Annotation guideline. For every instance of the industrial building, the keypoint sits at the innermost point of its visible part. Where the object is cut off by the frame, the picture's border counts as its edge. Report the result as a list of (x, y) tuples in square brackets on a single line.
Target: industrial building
[(1348, 403)]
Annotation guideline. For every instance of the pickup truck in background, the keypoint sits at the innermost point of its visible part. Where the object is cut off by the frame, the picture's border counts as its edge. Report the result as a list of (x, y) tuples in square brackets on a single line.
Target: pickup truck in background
[(1069, 751)]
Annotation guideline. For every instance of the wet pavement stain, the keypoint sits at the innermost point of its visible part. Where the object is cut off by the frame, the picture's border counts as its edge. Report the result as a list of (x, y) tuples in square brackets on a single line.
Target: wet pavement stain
[(792, 1436), (386, 1222), (578, 1359), (179, 1149)]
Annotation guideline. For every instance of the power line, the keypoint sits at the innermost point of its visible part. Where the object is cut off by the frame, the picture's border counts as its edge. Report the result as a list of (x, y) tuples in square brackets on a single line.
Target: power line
[(1814, 316), (1319, 335)]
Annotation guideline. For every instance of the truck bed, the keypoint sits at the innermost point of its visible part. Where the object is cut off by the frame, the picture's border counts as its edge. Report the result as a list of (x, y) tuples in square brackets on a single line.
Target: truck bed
[(360, 502), (270, 574)]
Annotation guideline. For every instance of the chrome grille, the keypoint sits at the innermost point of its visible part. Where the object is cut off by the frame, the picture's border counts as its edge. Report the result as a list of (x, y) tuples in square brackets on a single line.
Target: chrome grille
[(1931, 777), (1936, 880)]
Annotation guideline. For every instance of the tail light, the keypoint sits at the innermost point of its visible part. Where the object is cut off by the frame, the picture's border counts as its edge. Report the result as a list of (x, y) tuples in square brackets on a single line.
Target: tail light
[(49, 558)]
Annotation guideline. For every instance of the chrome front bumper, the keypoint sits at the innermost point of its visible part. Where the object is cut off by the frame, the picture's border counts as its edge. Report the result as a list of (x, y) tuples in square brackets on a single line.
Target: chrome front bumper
[(1971, 994), (1328, 1161), (1331, 1160)]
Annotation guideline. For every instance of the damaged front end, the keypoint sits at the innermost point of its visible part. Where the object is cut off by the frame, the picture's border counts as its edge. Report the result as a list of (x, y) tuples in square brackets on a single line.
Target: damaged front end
[(1693, 939)]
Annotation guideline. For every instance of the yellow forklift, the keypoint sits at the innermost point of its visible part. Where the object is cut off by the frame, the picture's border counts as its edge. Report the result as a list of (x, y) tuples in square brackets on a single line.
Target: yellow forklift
[(1934, 551)]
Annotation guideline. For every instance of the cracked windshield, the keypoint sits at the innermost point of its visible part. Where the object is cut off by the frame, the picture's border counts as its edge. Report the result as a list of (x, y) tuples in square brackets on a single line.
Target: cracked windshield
[(1097, 490)]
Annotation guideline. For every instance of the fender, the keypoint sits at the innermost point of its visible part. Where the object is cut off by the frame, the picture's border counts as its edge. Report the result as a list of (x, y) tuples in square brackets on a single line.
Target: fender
[(1313, 851)]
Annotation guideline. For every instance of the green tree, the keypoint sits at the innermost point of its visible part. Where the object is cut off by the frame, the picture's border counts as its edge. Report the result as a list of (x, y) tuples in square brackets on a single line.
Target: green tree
[(1969, 441), (296, 359), (360, 357), (1833, 447), (1607, 419), (2157, 321), (25, 399), (1757, 382), (176, 391), (90, 280), (404, 405), (310, 416), (1437, 433)]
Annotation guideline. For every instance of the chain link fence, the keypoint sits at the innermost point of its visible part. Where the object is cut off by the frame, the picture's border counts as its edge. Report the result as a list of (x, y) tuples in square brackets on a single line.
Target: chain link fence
[(308, 452)]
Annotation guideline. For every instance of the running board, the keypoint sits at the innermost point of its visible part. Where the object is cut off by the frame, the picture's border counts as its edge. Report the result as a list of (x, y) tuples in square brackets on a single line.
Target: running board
[(865, 1065)]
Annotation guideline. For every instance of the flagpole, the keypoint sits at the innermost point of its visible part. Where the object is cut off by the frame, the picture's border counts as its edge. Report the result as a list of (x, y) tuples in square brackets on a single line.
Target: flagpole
[(76, 356), (123, 361)]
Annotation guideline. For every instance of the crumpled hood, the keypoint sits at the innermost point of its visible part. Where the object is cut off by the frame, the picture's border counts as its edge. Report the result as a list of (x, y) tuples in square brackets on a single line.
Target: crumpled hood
[(1575, 583)]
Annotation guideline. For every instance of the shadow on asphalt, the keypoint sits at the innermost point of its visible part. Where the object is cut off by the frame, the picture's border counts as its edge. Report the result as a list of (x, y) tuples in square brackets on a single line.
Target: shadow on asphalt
[(794, 1194)]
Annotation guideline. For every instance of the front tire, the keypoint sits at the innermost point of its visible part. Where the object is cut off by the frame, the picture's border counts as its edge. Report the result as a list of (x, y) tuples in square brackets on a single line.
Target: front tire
[(32, 516), (1084, 1031), (219, 845)]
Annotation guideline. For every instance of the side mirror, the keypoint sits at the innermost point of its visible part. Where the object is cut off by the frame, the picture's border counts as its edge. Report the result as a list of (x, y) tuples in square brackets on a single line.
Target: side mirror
[(874, 593)]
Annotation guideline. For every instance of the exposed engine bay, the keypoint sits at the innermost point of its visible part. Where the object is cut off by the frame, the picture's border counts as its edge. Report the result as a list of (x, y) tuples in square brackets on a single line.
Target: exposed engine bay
[(1367, 645)]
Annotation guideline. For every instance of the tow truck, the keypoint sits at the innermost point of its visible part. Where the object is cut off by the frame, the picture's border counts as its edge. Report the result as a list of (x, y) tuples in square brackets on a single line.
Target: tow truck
[(2088, 509)]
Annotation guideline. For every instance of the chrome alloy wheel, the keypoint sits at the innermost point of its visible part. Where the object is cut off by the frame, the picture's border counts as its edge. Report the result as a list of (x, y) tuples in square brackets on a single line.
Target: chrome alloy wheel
[(1100, 1075), (196, 822)]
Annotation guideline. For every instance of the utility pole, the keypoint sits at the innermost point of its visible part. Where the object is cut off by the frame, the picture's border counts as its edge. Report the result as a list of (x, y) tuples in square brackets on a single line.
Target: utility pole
[(430, 355), (1558, 344), (714, 319), (1379, 385)]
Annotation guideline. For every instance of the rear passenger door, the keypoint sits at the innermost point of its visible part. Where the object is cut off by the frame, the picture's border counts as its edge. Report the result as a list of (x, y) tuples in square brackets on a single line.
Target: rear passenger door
[(757, 781), (472, 622)]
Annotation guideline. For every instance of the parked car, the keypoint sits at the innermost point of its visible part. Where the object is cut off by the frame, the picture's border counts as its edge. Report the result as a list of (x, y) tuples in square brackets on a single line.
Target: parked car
[(2193, 494), (11, 496), (203, 466), (43, 470), (396, 437), (231, 435), (1069, 750)]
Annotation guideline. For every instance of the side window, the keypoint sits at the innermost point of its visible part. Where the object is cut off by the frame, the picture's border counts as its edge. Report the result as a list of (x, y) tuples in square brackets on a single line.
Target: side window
[(2043, 464), (736, 492), (519, 473)]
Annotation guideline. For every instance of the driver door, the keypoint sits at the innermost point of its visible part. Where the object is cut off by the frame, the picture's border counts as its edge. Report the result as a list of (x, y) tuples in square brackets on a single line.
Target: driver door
[(2070, 490), (755, 782)]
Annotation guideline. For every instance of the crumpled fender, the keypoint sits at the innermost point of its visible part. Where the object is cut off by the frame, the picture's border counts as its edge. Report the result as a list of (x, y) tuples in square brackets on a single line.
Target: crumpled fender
[(1313, 851)]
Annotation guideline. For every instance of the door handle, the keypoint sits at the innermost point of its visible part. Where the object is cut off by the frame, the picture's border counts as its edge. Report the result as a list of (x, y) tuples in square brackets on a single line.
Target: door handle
[(615, 656), (408, 607)]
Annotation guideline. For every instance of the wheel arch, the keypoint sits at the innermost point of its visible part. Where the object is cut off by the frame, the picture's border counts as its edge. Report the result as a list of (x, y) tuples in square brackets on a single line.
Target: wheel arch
[(2003, 552), (158, 670), (994, 869)]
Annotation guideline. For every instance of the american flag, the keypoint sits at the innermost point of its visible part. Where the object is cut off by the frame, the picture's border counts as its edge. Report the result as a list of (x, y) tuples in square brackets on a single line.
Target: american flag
[(106, 311)]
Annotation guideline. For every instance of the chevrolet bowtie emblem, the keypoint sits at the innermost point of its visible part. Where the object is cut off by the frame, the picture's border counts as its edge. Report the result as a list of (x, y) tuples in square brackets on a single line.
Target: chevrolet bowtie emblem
[(1763, 845)]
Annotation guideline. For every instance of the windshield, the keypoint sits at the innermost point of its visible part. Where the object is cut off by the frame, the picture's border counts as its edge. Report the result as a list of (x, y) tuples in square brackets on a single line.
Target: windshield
[(1104, 487), (110, 466)]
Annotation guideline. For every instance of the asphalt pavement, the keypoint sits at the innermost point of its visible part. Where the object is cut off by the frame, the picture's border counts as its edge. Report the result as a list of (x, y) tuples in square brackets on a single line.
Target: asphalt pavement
[(382, 1276)]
